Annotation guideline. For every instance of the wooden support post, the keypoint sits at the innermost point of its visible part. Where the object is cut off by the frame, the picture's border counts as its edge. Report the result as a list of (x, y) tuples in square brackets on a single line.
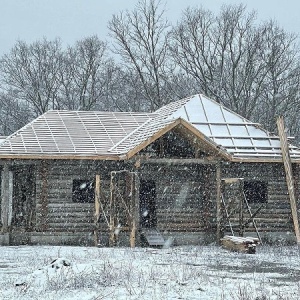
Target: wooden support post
[(112, 210), (5, 201), (218, 200), (241, 207), (44, 196), (135, 202), (289, 175), (97, 209)]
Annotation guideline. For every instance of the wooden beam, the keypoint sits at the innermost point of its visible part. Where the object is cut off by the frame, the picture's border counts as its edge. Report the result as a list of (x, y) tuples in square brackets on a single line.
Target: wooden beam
[(5, 201), (179, 161), (214, 147), (44, 196), (111, 242), (241, 207), (153, 138), (218, 200), (97, 209), (289, 175), (135, 207), (47, 156)]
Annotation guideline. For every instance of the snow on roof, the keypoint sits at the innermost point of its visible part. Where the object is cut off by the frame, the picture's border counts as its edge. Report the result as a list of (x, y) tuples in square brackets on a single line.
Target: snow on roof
[(73, 133), (115, 134), (237, 135)]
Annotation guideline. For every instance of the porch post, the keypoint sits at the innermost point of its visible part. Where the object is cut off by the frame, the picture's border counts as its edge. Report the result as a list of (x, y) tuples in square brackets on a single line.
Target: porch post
[(6, 201), (44, 196), (218, 200), (97, 209), (135, 208)]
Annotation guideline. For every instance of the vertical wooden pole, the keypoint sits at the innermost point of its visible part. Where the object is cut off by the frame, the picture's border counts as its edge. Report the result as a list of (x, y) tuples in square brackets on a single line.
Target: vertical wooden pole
[(97, 209), (5, 198), (135, 203), (241, 207), (44, 196), (218, 200), (112, 210), (289, 175)]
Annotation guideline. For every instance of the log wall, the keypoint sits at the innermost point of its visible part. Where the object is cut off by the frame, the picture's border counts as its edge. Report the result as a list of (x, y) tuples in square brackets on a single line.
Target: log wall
[(185, 195), (62, 213), (276, 214)]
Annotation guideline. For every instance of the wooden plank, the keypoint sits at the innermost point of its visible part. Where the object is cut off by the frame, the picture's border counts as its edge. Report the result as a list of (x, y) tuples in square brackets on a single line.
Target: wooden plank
[(240, 244), (97, 209), (178, 161), (134, 209), (112, 210), (231, 180), (44, 196), (289, 175), (5, 195), (218, 200), (67, 156)]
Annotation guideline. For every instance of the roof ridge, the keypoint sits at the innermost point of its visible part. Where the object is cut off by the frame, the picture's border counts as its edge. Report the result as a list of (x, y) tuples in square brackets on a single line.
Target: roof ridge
[(129, 135)]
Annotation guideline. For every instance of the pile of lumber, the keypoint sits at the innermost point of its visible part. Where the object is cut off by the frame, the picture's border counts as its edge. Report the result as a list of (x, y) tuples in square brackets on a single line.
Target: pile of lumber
[(240, 244)]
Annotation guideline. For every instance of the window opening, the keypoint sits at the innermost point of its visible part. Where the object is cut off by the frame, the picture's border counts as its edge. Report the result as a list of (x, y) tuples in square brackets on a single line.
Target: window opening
[(83, 191), (256, 191)]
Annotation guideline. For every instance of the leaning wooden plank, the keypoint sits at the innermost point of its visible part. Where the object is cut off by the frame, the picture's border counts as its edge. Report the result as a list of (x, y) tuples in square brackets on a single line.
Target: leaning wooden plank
[(289, 175)]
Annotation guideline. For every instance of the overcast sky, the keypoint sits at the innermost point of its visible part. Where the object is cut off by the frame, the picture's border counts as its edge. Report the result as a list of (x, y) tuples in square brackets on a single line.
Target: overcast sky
[(71, 20)]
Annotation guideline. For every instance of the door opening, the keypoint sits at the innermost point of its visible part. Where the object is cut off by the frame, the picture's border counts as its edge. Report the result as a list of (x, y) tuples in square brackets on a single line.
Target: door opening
[(148, 217)]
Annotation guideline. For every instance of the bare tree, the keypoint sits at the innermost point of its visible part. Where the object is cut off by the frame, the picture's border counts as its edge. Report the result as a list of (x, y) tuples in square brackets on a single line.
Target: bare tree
[(84, 74), (251, 68), (14, 114), (141, 39), (282, 83), (31, 71)]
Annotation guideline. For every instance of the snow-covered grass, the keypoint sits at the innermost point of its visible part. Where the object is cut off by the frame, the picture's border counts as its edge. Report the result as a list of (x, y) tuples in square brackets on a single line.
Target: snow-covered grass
[(202, 272)]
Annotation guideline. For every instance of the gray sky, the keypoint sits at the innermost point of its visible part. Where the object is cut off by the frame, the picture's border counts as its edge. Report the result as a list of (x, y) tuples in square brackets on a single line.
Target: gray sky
[(71, 20)]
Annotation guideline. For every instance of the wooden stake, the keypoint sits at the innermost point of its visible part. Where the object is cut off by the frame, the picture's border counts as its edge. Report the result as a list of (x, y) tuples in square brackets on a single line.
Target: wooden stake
[(97, 209), (218, 200), (289, 174)]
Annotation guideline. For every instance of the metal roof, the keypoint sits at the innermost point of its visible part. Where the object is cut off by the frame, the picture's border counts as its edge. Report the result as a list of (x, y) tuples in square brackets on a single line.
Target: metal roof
[(95, 134)]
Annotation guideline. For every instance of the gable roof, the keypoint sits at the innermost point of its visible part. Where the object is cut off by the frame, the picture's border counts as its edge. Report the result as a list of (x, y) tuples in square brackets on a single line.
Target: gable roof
[(119, 135)]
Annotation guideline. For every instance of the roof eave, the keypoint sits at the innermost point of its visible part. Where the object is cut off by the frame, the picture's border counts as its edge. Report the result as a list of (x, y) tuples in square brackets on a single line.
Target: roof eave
[(62, 156)]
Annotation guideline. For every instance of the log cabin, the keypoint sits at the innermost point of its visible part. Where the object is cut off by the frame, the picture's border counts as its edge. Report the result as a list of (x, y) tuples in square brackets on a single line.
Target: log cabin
[(192, 170)]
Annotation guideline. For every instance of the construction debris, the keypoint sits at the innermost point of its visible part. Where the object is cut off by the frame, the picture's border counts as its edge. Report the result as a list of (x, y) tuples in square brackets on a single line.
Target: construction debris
[(240, 244)]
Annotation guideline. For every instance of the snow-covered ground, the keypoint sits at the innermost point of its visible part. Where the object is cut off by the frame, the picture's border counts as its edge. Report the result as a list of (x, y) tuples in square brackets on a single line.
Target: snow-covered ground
[(202, 272)]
